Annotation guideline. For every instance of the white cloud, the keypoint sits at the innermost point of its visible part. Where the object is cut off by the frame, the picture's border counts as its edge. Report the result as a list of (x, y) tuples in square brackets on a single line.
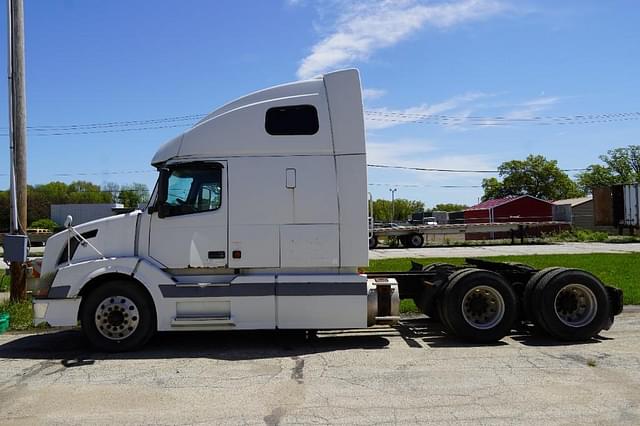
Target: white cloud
[(423, 153), (381, 118), (529, 109), (363, 28), (371, 94), (398, 151)]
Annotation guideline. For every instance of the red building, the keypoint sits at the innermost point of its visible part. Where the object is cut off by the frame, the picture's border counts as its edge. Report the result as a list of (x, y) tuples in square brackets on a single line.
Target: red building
[(521, 208)]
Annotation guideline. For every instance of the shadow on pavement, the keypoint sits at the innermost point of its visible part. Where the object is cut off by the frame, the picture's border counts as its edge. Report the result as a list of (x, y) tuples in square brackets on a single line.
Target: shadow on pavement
[(72, 349), (433, 334)]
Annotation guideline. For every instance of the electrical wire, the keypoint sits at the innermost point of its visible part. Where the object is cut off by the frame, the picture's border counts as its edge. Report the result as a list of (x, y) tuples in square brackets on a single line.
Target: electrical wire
[(370, 115)]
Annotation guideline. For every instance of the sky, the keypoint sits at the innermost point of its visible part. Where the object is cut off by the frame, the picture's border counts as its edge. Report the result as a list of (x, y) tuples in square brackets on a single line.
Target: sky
[(460, 84)]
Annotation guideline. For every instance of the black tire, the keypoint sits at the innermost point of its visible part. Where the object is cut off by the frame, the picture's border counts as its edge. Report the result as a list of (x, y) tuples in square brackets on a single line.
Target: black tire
[(489, 285), (572, 305), (413, 241), (527, 298), (440, 301), (117, 292), (373, 242)]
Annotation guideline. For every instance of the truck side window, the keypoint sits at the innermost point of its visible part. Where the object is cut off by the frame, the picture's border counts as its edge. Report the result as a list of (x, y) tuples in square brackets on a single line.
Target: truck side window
[(193, 189), (292, 120)]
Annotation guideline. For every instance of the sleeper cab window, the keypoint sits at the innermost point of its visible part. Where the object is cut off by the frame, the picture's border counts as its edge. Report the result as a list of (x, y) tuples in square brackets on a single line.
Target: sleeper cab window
[(292, 120), (194, 189)]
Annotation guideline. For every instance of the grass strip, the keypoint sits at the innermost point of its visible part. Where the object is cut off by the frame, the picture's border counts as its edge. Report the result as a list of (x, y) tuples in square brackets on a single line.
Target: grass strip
[(619, 270), (21, 314)]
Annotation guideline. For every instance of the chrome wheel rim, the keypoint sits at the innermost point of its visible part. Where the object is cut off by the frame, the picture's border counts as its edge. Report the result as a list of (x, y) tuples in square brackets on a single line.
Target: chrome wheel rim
[(117, 317), (575, 305), (483, 307)]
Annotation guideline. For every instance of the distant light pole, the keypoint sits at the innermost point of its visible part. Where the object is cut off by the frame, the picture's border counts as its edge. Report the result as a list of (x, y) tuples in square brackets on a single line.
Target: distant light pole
[(393, 192)]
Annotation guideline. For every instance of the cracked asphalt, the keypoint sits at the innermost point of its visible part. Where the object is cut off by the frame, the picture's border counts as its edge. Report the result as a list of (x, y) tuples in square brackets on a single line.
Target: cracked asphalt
[(409, 374)]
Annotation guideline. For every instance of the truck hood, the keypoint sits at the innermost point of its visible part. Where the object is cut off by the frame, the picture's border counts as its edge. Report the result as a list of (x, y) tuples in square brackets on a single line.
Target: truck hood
[(112, 236)]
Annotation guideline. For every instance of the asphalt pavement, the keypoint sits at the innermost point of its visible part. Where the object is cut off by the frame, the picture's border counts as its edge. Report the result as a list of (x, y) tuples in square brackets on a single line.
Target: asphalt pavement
[(410, 374)]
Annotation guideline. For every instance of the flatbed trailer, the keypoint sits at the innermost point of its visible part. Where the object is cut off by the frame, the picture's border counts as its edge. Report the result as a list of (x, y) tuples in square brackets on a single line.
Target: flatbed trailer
[(414, 236), (483, 300)]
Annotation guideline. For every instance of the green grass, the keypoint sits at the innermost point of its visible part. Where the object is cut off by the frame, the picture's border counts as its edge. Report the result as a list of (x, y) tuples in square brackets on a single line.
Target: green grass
[(21, 314), (619, 270), (5, 282)]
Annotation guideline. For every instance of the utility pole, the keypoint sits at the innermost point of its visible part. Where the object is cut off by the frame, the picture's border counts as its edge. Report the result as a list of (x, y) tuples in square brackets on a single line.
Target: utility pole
[(393, 192), (18, 137)]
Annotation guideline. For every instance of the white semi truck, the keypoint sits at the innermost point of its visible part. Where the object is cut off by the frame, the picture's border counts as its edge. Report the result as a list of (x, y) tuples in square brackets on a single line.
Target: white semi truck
[(199, 258)]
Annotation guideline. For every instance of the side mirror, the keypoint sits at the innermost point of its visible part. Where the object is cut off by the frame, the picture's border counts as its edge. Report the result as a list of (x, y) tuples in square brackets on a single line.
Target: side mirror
[(68, 221), (163, 210)]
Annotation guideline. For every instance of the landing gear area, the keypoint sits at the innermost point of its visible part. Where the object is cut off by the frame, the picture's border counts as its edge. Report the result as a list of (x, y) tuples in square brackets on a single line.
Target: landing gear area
[(483, 301)]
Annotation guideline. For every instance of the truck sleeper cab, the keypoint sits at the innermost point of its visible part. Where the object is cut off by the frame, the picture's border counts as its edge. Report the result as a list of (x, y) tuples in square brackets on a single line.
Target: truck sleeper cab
[(259, 221)]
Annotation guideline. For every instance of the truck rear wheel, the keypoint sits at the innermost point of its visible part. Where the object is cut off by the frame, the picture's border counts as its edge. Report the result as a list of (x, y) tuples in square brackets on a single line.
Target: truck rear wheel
[(527, 300), (571, 305), (117, 316), (479, 306)]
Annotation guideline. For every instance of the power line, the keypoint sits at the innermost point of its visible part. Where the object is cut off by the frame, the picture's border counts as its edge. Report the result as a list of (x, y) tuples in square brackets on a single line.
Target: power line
[(371, 115), (428, 169), (409, 185), (381, 166)]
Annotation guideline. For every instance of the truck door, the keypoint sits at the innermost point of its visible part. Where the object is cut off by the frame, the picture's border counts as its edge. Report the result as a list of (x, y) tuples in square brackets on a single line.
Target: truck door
[(189, 224)]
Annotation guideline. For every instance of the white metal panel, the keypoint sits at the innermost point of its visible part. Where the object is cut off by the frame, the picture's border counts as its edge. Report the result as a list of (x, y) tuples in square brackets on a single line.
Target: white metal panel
[(57, 312), (352, 193), (345, 104), (116, 237), (322, 311), (258, 244), (242, 132), (259, 194), (168, 150), (295, 88), (246, 312), (77, 275), (631, 204), (309, 245)]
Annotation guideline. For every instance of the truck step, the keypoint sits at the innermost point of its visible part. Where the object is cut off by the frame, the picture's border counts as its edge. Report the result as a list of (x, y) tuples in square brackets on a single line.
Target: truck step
[(201, 321)]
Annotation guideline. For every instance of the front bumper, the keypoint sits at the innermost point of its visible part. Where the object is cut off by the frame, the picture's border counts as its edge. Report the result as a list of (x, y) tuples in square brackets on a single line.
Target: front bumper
[(56, 312)]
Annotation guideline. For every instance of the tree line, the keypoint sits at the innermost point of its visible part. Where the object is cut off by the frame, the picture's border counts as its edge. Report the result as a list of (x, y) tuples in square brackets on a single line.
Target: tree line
[(536, 176), (543, 179), (40, 198)]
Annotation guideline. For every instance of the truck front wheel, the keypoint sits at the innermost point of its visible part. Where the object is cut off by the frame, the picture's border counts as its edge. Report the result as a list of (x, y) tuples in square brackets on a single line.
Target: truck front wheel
[(117, 316)]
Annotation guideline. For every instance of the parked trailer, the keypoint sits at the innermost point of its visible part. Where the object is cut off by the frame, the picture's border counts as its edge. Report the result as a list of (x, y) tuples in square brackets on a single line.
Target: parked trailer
[(631, 195), (199, 258), (414, 236)]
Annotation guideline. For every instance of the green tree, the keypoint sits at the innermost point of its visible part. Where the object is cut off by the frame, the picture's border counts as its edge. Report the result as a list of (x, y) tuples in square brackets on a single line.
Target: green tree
[(134, 194), (535, 176), (402, 209), (81, 192), (449, 207), (111, 188), (44, 224), (621, 165)]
